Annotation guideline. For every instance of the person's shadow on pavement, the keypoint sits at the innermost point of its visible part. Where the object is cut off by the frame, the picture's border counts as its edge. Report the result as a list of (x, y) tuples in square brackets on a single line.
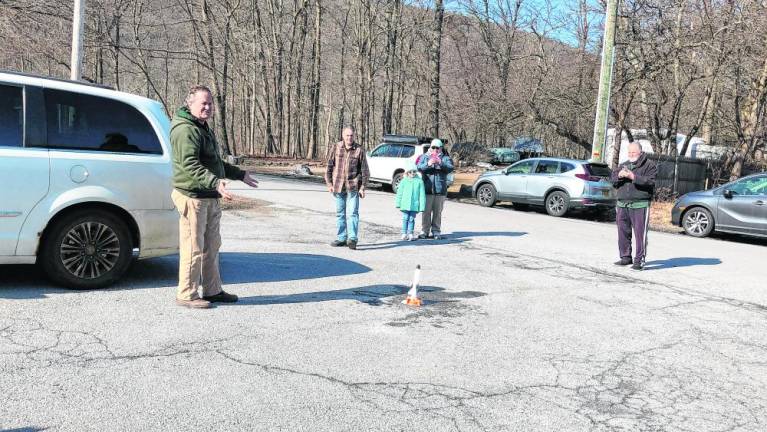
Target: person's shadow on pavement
[(680, 262), (371, 295), (24, 283), (246, 267), (451, 238)]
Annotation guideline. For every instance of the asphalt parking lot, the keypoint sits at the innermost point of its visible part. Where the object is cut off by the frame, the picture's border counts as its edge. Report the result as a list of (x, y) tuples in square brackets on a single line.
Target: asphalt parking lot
[(526, 325)]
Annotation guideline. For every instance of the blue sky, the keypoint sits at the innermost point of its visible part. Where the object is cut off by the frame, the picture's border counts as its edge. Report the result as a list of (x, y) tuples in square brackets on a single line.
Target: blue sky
[(557, 18)]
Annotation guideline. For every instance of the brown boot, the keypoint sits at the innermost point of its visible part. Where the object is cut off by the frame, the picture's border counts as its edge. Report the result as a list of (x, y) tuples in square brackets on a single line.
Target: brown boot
[(222, 297), (194, 304)]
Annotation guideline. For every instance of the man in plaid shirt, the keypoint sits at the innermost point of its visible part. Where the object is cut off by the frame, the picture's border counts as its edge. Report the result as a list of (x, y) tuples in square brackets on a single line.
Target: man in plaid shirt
[(346, 176)]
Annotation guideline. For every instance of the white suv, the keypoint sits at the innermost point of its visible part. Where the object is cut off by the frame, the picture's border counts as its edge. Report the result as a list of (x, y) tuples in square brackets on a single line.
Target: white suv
[(388, 161), (86, 179)]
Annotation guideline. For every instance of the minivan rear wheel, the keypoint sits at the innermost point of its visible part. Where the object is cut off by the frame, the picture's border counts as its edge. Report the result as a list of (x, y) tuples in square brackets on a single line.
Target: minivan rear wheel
[(87, 250), (557, 203)]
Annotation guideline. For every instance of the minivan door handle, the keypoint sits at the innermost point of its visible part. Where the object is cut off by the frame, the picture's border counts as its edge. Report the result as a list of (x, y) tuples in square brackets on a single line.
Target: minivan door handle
[(759, 203)]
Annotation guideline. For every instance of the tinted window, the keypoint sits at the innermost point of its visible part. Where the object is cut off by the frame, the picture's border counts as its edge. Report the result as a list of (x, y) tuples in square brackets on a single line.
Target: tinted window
[(84, 122), (11, 116), (750, 186), (566, 167), (381, 150), (394, 150), (523, 167), (407, 151), (547, 167), (598, 170)]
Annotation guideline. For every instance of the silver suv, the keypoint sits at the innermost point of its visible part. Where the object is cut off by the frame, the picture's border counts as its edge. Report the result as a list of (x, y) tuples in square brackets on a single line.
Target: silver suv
[(86, 174), (557, 184)]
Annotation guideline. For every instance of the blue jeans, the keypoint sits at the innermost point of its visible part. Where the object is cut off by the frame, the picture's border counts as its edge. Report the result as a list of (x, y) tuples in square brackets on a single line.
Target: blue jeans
[(347, 201), (408, 221)]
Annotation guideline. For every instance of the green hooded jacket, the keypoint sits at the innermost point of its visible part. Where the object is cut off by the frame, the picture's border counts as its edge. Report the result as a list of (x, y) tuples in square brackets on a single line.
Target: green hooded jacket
[(197, 163), (411, 195)]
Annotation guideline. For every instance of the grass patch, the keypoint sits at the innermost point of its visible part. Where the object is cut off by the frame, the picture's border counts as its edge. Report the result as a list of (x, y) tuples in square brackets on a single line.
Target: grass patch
[(660, 217)]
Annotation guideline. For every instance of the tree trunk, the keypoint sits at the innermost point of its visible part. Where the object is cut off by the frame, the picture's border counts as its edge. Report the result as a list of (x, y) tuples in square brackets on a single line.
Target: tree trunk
[(751, 118), (434, 57), (314, 117), (219, 86)]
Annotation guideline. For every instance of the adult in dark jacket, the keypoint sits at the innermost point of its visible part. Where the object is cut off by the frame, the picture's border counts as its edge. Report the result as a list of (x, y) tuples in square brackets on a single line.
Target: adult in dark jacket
[(635, 182), (434, 166), (198, 182)]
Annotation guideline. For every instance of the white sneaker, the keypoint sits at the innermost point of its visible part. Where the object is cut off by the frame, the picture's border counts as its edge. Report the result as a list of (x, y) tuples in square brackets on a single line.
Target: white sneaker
[(404, 237), (411, 237), (437, 237)]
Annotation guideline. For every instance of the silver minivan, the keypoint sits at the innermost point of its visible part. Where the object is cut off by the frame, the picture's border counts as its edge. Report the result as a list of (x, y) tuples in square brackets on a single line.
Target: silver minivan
[(738, 207), (557, 184), (86, 174)]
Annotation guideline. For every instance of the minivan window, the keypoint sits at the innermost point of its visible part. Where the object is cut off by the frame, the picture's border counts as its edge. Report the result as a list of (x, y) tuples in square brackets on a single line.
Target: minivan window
[(11, 116), (750, 186), (85, 122)]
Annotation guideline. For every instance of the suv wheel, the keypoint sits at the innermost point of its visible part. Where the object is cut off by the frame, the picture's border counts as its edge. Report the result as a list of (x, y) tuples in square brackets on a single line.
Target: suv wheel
[(557, 203), (87, 250), (486, 195), (698, 222), (395, 182)]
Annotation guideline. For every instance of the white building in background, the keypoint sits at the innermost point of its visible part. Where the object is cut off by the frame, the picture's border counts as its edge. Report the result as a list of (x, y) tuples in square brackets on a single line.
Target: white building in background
[(697, 149)]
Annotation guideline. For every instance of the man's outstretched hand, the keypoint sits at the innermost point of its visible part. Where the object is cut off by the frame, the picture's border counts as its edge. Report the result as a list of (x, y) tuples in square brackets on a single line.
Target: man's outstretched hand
[(250, 180), (221, 189)]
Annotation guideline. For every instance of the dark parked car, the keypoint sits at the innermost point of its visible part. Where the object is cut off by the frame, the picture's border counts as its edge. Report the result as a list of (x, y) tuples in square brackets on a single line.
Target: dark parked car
[(738, 207)]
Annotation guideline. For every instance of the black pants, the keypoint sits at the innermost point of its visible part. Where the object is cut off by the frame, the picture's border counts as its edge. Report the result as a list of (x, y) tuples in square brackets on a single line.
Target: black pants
[(633, 220)]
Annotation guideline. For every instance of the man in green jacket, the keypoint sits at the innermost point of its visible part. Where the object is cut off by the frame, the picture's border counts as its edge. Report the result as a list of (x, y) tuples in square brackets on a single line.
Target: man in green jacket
[(198, 182)]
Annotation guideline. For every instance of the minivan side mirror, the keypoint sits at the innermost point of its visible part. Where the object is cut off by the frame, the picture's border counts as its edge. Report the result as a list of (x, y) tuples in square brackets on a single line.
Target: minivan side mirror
[(728, 193)]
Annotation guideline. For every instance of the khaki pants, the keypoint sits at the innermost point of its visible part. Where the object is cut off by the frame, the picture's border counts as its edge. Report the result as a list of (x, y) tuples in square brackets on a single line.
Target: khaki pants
[(199, 242), (431, 219)]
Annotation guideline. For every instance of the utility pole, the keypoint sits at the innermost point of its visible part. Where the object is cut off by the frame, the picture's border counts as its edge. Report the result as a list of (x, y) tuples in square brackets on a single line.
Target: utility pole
[(77, 40), (605, 83)]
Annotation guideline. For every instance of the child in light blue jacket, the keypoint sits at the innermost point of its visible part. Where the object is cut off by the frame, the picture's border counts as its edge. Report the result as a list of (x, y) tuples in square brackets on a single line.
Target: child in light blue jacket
[(411, 200)]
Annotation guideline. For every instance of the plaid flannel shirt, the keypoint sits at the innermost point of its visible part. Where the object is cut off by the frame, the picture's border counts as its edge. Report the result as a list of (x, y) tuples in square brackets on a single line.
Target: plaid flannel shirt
[(347, 170)]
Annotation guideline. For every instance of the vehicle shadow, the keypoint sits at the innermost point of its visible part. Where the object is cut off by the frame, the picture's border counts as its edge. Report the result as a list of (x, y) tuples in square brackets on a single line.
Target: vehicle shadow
[(447, 239), (587, 214), (26, 282), (372, 295), (681, 262), (737, 238)]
